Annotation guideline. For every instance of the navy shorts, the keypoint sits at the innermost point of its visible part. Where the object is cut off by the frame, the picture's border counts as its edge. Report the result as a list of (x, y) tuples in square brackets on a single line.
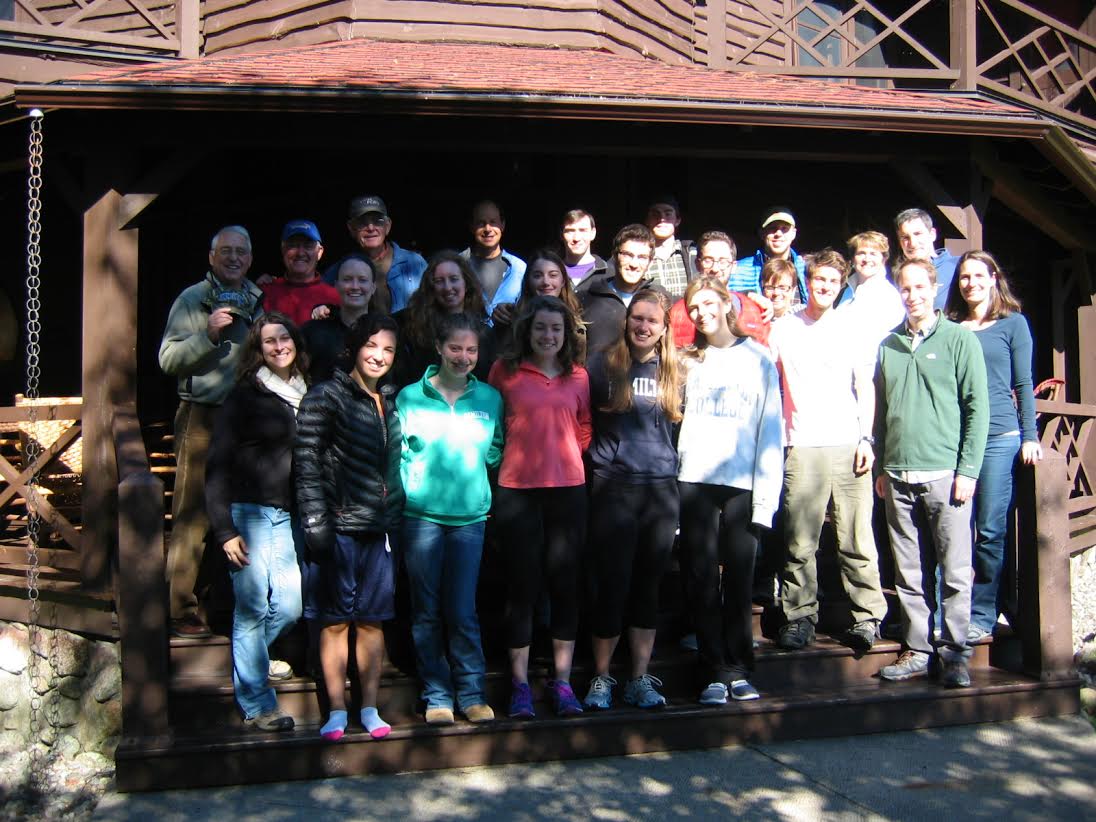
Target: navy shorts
[(356, 584)]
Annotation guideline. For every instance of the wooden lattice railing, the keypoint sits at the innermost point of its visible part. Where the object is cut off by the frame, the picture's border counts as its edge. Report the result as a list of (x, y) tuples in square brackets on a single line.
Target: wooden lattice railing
[(126, 26), (1006, 46), (1067, 429)]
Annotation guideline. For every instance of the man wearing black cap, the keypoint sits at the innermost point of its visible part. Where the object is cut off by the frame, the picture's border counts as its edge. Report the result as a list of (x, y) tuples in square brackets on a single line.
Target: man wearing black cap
[(672, 265), (301, 290), (398, 269), (777, 232)]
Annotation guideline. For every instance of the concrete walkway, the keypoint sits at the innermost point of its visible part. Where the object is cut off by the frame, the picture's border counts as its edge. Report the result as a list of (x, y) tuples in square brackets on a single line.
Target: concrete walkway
[(1041, 769)]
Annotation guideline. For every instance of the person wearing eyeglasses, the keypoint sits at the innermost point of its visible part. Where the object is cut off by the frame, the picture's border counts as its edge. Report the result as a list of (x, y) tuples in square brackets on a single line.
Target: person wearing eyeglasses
[(777, 233), (398, 270), (716, 258), (605, 299)]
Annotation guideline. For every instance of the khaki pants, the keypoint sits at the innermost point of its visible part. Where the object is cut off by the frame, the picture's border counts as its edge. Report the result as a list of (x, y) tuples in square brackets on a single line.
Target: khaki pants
[(189, 523), (811, 477)]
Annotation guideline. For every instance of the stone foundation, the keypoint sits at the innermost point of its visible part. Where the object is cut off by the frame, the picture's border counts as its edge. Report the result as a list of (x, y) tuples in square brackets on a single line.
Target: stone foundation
[(79, 682)]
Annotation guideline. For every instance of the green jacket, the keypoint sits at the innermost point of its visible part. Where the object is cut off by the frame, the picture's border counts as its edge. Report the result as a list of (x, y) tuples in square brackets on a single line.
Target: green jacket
[(447, 450), (207, 371), (932, 404)]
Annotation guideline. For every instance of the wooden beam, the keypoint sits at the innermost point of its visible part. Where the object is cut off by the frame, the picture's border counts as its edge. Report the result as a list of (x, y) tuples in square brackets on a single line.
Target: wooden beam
[(717, 34), (109, 368), (188, 28), (1086, 352), (1061, 282), (1009, 186), (930, 189)]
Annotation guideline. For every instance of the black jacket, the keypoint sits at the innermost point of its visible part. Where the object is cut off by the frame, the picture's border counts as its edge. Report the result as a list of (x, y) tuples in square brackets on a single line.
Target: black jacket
[(347, 462), (326, 343), (604, 311), (250, 455)]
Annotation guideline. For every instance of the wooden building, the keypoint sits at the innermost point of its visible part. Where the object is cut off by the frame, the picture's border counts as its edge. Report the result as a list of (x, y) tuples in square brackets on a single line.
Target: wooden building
[(166, 120)]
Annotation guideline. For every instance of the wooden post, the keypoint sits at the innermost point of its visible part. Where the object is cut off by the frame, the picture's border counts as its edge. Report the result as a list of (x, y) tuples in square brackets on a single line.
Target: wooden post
[(717, 34), (1086, 353), (188, 28), (964, 54), (1045, 613), (109, 371), (142, 605)]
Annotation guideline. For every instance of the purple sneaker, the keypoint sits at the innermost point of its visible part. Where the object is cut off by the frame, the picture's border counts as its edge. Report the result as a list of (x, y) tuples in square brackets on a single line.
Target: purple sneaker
[(563, 698), (521, 701)]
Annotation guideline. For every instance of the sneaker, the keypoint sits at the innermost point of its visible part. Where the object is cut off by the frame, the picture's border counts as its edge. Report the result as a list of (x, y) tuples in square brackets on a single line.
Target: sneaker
[(907, 666), (861, 636), (956, 674), (641, 692), (799, 633), (279, 670), (190, 627), (743, 691), (976, 633), (564, 699), (439, 715), (600, 695), (273, 720), (477, 714), (714, 694), (521, 701)]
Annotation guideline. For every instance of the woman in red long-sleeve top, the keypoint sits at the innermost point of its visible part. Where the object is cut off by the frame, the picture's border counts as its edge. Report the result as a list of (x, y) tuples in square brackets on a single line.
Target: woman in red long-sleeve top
[(540, 507)]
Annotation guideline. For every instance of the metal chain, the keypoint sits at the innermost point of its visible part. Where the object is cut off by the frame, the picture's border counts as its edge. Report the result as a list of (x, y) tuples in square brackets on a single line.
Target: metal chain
[(34, 448)]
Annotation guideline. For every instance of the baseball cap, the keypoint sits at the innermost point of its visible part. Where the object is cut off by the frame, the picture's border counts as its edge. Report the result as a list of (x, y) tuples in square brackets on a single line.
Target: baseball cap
[(366, 205), (778, 214), (301, 228)]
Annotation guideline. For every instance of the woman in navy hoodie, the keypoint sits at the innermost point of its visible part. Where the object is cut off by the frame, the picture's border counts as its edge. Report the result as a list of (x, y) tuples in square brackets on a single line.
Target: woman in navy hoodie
[(635, 393)]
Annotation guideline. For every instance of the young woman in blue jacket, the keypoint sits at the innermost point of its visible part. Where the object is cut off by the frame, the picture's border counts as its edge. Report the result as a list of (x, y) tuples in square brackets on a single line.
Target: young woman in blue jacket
[(635, 393)]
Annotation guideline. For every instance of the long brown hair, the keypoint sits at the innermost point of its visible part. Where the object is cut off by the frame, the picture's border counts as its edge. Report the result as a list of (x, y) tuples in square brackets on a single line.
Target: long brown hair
[(618, 361), (568, 295), (521, 346), (423, 312), (714, 284), (1001, 299), (251, 353)]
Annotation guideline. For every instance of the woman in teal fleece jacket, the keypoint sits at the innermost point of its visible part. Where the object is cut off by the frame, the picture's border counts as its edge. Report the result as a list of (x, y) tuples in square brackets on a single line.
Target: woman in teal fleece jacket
[(452, 434)]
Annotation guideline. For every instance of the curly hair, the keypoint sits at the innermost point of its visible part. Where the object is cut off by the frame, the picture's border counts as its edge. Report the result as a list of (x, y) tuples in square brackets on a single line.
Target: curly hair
[(423, 311), (521, 346), (251, 352)]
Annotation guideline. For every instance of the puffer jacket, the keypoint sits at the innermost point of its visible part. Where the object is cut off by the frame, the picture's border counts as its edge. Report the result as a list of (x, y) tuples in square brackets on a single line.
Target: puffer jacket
[(347, 462)]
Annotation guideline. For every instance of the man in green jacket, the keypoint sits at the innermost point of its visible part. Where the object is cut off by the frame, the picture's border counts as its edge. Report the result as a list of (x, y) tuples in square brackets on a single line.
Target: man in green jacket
[(201, 346), (931, 422)]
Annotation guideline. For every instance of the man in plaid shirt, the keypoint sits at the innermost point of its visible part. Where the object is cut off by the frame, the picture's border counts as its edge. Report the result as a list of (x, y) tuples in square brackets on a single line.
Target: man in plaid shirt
[(672, 266)]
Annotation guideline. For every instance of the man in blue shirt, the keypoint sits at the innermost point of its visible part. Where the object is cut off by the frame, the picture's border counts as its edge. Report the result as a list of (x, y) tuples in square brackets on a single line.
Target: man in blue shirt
[(499, 271), (777, 232), (917, 237)]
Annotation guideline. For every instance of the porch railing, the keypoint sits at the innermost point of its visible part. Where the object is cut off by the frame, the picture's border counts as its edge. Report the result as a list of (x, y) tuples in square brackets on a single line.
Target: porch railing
[(1006, 46), (149, 28)]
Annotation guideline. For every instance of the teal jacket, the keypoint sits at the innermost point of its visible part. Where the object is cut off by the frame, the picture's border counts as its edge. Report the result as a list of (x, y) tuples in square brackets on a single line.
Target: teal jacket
[(448, 450), (932, 404)]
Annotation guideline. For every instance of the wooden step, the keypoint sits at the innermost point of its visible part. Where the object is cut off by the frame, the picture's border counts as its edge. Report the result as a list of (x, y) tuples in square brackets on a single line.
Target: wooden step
[(229, 755)]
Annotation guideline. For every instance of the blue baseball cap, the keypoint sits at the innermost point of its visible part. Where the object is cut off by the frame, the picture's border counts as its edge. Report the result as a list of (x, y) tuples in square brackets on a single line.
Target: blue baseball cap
[(301, 228)]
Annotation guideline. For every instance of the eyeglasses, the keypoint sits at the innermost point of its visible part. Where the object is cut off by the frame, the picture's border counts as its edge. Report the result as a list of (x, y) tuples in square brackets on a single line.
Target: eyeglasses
[(779, 289), (716, 262)]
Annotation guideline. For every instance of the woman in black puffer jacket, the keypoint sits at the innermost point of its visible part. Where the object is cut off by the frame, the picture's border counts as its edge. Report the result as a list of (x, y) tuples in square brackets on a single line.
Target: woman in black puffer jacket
[(347, 460)]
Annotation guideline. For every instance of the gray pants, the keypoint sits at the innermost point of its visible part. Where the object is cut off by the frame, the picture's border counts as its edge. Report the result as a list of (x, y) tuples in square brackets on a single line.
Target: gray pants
[(926, 529)]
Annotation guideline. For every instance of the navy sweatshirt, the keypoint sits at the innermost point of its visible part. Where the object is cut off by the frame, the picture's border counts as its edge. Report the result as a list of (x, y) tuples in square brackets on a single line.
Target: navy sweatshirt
[(635, 447)]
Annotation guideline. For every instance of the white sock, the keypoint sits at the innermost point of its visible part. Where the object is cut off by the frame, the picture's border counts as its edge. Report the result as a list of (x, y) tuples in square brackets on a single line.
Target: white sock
[(372, 722), (336, 725)]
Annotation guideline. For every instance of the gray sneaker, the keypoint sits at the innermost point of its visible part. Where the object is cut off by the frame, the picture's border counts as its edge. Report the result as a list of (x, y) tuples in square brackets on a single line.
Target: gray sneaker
[(274, 720), (956, 674), (861, 636), (641, 692), (976, 633), (799, 633), (907, 666), (600, 695), (714, 694)]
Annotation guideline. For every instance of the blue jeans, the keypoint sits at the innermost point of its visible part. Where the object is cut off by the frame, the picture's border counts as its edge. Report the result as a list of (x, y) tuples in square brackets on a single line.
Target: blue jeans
[(443, 570), (268, 600), (993, 502)]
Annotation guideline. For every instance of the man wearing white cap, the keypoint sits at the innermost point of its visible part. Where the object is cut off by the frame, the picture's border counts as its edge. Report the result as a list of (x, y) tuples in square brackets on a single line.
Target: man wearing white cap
[(777, 232)]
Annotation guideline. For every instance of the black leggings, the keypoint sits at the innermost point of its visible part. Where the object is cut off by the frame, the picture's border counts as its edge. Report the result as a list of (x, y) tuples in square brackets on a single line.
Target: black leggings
[(542, 531), (631, 535), (716, 529)]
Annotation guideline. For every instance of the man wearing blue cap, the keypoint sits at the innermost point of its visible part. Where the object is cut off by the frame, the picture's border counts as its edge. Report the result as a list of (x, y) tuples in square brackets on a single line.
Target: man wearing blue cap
[(302, 289)]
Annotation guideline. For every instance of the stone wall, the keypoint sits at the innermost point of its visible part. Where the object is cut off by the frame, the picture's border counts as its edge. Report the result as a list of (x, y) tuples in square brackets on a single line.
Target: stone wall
[(79, 681), (1082, 578)]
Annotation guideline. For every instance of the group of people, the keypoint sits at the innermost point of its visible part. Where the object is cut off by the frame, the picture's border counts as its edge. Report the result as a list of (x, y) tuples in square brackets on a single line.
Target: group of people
[(385, 416)]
